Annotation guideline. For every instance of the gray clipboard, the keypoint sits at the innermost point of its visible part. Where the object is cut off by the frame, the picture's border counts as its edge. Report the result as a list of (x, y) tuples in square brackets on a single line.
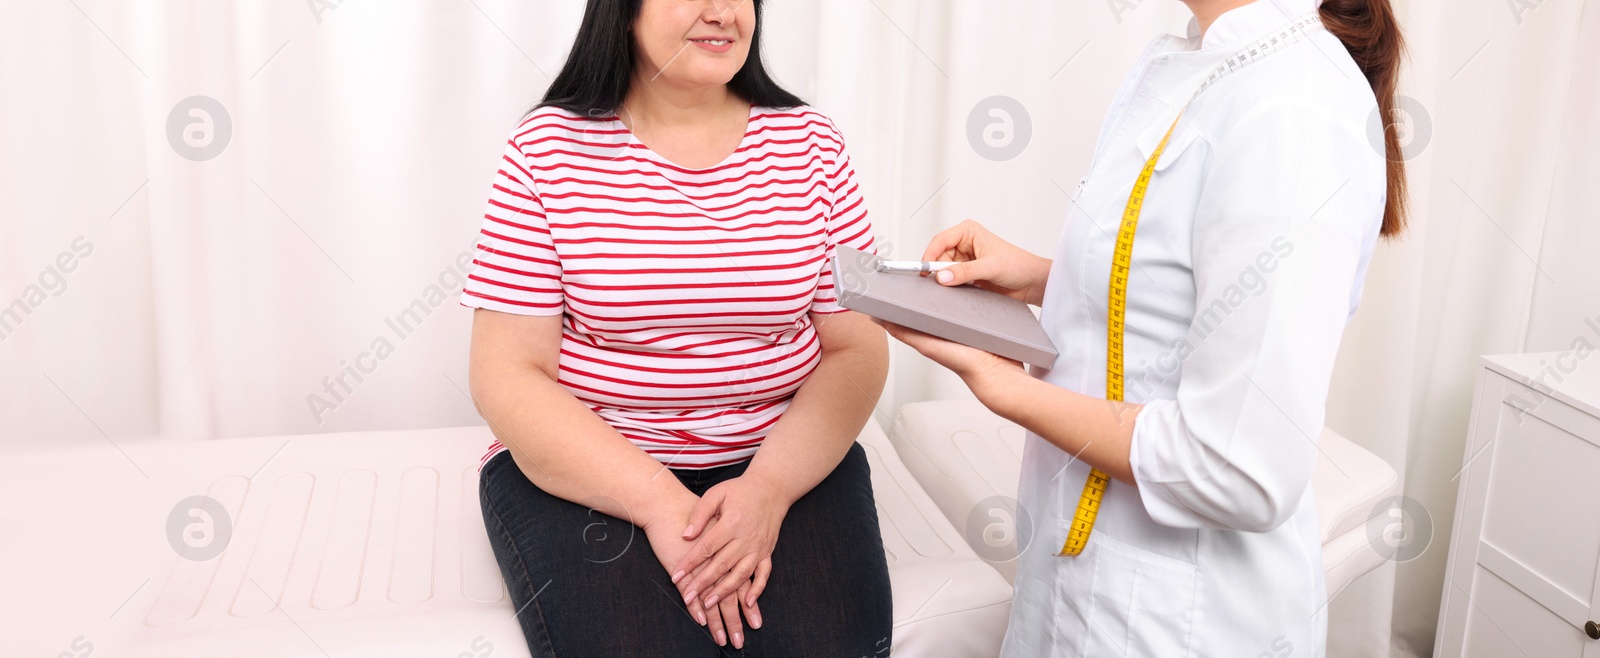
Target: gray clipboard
[(968, 315)]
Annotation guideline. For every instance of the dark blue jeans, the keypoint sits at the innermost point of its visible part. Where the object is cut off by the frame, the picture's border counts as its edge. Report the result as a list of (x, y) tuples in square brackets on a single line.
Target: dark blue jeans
[(588, 584)]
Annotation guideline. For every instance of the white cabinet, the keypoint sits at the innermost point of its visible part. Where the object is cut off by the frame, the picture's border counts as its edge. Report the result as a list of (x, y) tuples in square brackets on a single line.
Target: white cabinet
[(1524, 571)]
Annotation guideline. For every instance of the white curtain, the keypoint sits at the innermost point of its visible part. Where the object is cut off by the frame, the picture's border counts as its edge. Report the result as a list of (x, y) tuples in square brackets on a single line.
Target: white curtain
[(1501, 258), (292, 268)]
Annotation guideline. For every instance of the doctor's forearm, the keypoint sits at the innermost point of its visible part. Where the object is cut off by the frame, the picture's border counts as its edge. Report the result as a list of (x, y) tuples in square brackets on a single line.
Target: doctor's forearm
[(1098, 431)]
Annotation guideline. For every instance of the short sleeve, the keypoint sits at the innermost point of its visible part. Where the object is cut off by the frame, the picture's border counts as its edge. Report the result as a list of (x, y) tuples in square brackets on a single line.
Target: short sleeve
[(846, 224), (515, 268)]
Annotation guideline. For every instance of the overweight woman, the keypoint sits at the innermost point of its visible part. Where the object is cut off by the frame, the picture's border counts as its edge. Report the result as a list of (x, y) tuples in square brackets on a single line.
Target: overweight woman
[(1210, 261), (657, 347)]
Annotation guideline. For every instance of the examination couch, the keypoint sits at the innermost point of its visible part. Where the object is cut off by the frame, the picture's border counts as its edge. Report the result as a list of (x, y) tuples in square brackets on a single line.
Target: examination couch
[(355, 545), (370, 544)]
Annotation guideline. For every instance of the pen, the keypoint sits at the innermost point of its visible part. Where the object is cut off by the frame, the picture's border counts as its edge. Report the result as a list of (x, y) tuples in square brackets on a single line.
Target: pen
[(912, 266)]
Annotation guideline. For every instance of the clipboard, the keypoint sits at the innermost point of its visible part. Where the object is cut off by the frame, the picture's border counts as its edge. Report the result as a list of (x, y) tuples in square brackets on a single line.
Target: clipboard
[(969, 315)]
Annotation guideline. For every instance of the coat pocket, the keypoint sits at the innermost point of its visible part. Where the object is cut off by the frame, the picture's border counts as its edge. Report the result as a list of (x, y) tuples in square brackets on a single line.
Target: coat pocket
[(1142, 599), (1182, 139), (1183, 135)]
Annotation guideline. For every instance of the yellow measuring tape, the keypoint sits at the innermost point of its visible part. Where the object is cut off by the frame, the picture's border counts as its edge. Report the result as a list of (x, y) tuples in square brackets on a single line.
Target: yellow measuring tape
[(1094, 490)]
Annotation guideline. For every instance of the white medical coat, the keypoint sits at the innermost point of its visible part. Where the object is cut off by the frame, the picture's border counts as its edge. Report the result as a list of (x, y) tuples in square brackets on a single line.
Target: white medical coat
[(1255, 236)]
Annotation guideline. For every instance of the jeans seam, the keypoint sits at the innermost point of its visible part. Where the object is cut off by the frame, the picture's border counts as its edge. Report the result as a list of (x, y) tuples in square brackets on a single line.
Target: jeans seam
[(522, 569)]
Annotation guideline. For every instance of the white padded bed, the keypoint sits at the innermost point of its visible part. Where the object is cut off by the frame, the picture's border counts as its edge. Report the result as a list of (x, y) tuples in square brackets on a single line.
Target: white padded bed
[(352, 545), (963, 454)]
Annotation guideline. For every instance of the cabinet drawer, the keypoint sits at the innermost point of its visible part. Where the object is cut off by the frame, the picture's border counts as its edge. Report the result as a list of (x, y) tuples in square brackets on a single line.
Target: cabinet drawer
[(1504, 621), (1524, 566), (1543, 483)]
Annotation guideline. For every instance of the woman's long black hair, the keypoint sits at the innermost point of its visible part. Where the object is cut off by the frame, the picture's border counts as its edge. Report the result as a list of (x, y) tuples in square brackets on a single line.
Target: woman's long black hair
[(599, 70)]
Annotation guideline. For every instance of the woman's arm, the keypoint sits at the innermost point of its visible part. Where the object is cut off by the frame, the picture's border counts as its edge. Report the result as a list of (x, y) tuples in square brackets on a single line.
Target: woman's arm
[(1098, 431), (1292, 204), (803, 447), (562, 446), (569, 452), (828, 412)]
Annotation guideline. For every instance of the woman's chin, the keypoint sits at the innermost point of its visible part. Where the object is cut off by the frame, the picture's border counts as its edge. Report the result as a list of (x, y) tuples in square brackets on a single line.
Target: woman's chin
[(696, 75)]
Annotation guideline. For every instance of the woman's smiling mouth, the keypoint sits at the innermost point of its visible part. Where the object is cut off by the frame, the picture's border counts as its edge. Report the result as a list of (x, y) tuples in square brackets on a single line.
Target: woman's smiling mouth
[(714, 45)]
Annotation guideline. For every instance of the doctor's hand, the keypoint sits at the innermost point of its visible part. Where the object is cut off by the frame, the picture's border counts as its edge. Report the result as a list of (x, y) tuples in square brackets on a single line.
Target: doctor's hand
[(723, 620), (736, 524), (982, 371), (988, 261)]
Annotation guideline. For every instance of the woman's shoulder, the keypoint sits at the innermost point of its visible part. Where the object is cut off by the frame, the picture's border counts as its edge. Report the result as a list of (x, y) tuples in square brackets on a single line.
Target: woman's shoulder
[(1301, 92), (799, 116), (1317, 73), (803, 120), (551, 121)]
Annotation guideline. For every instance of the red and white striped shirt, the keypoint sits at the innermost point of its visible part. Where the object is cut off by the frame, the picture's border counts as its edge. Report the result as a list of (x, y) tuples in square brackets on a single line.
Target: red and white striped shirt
[(686, 293)]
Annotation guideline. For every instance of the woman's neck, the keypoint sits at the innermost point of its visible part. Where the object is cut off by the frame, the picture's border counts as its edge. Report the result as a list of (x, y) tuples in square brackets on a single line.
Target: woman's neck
[(660, 103), (1207, 11)]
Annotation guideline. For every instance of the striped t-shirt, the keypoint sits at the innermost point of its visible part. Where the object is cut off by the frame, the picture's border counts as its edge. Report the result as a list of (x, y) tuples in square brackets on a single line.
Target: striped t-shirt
[(686, 293)]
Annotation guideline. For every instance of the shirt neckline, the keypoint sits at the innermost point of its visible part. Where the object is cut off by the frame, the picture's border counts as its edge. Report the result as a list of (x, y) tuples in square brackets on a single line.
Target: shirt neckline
[(744, 141)]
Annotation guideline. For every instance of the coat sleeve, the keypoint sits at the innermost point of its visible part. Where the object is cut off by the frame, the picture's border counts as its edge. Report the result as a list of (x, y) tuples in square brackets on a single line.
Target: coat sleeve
[(1283, 229)]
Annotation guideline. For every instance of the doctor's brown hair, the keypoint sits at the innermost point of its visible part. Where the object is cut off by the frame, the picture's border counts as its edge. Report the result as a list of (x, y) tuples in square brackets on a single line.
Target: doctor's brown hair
[(1368, 29)]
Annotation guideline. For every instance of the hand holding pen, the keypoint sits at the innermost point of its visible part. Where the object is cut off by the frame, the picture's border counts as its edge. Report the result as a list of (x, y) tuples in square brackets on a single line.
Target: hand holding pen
[(919, 267)]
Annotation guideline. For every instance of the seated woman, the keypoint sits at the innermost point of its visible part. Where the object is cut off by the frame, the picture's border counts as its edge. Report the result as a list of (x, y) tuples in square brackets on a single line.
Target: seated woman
[(653, 293)]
